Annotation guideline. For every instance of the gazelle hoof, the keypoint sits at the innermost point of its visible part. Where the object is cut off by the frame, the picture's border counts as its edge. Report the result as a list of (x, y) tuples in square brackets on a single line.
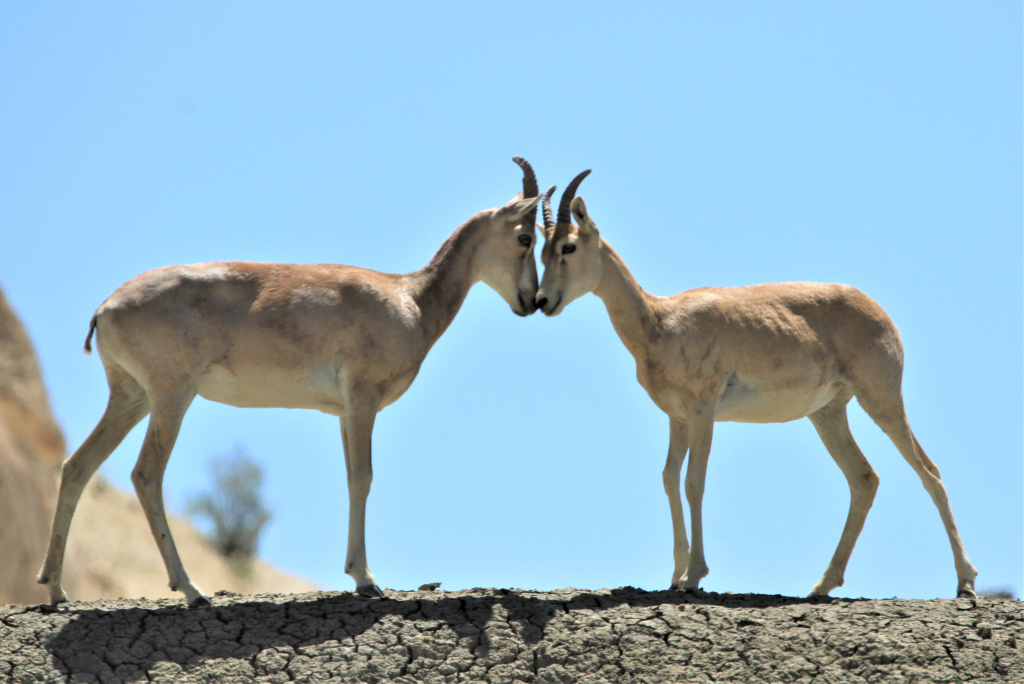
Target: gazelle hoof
[(370, 591), (200, 602), (58, 599)]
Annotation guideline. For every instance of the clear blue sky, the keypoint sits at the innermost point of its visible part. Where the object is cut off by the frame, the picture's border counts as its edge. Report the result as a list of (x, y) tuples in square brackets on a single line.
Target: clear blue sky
[(872, 143)]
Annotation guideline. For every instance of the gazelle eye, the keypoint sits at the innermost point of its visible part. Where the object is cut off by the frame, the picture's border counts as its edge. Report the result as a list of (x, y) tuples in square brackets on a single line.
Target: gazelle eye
[(525, 240), (568, 249)]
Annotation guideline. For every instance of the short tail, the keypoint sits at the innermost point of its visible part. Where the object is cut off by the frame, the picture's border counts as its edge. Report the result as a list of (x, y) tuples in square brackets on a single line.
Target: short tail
[(88, 339)]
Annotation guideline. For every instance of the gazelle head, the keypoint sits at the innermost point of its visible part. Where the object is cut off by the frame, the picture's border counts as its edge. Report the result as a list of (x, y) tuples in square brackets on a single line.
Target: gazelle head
[(506, 261), (571, 256)]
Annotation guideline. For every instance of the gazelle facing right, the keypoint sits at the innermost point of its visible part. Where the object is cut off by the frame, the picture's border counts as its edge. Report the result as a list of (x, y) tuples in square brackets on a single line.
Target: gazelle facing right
[(344, 340), (759, 354)]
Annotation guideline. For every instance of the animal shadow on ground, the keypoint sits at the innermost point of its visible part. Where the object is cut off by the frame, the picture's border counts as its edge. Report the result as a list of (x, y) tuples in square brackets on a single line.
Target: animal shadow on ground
[(242, 627)]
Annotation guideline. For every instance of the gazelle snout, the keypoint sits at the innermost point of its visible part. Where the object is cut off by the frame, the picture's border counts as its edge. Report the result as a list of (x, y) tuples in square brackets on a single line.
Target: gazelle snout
[(526, 292), (549, 306), (520, 297), (527, 305)]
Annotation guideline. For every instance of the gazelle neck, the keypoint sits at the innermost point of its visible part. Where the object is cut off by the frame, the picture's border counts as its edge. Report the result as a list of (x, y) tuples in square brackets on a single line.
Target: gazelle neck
[(630, 308), (440, 287)]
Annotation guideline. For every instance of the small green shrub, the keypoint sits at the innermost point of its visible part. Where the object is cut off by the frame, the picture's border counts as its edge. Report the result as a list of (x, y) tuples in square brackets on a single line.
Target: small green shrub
[(234, 508)]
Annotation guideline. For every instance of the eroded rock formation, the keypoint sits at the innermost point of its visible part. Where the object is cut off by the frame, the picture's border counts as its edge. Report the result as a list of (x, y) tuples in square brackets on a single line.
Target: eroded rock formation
[(31, 449)]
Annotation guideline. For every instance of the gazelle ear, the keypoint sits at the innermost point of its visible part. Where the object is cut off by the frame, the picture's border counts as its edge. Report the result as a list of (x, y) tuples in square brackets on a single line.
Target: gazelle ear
[(583, 220), (516, 209)]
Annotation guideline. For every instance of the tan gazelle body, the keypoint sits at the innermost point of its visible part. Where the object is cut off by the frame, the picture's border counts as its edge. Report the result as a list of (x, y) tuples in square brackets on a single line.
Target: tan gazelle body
[(344, 340), (759, 354)]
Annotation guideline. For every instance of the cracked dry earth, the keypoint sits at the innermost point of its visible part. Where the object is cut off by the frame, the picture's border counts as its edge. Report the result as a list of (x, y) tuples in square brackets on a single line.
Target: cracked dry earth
[(621, 635)]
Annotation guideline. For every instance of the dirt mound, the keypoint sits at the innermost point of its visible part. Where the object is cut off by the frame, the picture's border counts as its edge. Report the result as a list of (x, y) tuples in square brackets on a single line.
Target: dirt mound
[(111, 551), (502, 636), (115, 555)]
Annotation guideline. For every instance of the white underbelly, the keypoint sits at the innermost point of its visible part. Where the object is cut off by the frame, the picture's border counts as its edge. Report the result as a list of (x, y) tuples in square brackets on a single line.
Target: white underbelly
[(273, 388), (746, 403)]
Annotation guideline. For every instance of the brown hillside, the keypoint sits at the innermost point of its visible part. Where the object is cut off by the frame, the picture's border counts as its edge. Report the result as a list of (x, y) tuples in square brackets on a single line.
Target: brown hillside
[(111, 552)]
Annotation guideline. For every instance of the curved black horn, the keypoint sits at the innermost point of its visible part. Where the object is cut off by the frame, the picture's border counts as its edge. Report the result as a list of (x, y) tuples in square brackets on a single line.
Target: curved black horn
[(570, 192), (529, 190), (549, 220), (529, 178)]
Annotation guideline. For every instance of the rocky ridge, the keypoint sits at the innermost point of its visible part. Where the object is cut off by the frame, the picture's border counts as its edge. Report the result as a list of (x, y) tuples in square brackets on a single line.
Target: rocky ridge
[(620, 635)]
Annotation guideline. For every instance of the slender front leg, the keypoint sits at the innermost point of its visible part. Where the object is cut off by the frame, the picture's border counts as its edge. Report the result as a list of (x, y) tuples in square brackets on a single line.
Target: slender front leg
[(356, 432), (677, 446), (701, 426)]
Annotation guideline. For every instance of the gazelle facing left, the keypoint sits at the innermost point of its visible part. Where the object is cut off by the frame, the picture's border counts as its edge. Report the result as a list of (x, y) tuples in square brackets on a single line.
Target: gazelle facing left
[(760, 354), (344, 340)]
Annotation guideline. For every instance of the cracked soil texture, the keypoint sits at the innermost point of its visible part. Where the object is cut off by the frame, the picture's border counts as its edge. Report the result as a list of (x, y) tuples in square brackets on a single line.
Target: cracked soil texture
[(487, 635)]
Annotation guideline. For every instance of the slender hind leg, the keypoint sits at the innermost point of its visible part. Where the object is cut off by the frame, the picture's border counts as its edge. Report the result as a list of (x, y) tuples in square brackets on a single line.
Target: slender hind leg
[(127, 405), (148, 475), (892, 418), (356, 432), (677, 446), (834, 430)]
